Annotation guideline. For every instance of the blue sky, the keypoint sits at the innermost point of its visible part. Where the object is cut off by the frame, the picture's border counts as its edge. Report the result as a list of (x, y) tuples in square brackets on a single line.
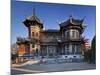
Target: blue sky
[(50, 13)]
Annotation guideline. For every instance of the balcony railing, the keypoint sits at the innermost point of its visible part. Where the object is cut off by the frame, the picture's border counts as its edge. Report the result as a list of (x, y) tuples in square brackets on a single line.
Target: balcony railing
[(48, 40), (62, 39), (72, 39)]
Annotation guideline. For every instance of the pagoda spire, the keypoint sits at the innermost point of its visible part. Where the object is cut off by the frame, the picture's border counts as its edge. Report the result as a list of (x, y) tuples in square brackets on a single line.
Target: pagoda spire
[(34, 14), (70, 17)]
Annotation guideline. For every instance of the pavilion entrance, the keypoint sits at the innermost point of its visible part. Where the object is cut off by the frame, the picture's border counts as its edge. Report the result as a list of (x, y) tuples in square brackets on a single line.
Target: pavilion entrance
[(51, 51)]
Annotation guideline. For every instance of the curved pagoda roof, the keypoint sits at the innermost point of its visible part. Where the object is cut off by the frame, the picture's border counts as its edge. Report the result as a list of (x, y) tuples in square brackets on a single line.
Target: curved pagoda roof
[(33, 19), (71, 21)]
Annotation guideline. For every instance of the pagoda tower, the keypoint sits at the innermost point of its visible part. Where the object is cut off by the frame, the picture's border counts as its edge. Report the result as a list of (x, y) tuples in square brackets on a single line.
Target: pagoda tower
[(72, 39), (34, 26)]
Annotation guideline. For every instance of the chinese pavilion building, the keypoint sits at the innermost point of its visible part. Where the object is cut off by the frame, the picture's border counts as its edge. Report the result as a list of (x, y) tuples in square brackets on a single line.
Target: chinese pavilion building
[(67, 40)]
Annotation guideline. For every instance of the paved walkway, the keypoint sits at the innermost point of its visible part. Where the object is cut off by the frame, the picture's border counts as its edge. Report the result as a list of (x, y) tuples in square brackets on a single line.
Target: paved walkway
[(38, 68)]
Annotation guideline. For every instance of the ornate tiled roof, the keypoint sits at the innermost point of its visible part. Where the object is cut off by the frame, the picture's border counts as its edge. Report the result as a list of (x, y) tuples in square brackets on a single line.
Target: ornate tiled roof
[(33, 18), (76, 21), (62, 24), (72, 21)]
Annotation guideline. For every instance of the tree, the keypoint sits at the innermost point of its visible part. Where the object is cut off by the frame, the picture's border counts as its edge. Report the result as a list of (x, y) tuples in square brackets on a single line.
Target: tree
[(93, 50), (90, 55), (87, 55)]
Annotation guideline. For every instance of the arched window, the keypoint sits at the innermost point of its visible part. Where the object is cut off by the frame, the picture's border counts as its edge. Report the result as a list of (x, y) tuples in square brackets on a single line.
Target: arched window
[(67, 34), (32, 33), (77, 34), (74, 34), (33, 45)]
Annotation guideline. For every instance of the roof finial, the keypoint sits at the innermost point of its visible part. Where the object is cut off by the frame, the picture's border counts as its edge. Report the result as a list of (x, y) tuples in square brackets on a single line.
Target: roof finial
[(70, 17), (33, 11)]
